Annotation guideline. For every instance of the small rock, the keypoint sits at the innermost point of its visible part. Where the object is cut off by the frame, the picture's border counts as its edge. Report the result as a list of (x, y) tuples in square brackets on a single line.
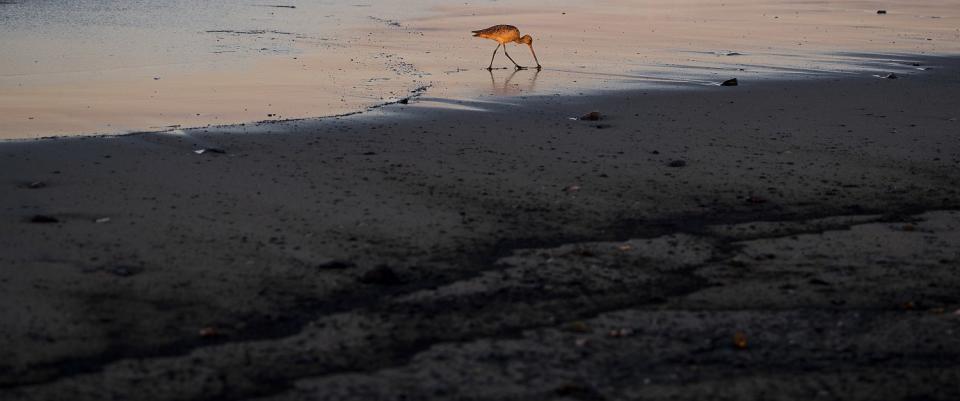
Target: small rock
[(591, 116), (102, 220), (209, 332), (677, 163), (123, 271), (209, 150), (572, 188), (336, 265), (583, 252), (891, 76), (756, 199), (40, 218), (578, 392), (381, 275), (740, 340), (404, 101), (730, 82), (579, 327), (36, 185), (618, 333), (881, 12)]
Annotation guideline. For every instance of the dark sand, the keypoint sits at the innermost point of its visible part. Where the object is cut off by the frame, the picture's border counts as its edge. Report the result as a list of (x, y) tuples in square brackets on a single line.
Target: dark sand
[(527, 256)]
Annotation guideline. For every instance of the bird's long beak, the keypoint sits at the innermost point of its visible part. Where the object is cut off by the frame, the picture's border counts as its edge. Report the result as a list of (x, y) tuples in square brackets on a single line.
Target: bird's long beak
[(534, 56)]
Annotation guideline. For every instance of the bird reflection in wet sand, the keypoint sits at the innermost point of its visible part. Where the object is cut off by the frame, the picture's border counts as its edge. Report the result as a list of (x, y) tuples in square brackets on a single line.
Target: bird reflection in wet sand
[(504, 34), (508, 88)]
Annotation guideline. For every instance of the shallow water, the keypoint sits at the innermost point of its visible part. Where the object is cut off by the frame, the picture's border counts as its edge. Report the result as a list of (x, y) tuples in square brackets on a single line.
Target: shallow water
[(110, 66)]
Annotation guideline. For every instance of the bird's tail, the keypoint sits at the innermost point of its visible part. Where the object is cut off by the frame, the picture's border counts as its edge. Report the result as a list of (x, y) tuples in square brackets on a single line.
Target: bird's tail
[(476, 33)]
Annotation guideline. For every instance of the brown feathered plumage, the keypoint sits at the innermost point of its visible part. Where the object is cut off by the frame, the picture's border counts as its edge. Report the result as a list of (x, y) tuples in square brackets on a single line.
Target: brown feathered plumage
[(504, 34)]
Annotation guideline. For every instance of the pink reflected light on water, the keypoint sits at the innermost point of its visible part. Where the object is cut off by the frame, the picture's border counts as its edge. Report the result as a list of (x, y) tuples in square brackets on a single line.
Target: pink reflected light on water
[(88, 67)]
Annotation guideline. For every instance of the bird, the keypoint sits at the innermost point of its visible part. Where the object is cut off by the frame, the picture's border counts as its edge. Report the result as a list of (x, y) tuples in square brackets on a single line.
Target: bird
[(504, 34)]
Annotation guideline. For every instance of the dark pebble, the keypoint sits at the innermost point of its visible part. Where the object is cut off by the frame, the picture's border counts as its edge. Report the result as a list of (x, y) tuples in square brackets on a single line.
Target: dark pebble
[(677, 163), (381, 275), (756, 199), (578, 392), (336, 265), (730, 82), (591, 116), (44, 219), (123, 271), (816, 281)]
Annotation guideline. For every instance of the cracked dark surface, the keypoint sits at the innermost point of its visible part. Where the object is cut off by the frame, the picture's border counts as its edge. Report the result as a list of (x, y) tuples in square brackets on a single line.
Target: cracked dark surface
[(534, 257)]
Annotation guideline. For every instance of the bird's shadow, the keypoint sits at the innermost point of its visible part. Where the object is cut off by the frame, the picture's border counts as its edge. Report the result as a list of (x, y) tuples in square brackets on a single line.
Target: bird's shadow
[(508, 87)]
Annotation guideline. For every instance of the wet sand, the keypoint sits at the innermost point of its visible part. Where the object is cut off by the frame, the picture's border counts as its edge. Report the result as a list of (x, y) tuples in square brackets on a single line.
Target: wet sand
[(775, 240), (108, 66)]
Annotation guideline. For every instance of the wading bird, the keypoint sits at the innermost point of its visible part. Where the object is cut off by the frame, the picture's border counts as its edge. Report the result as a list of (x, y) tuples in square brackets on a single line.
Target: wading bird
[(504, 34)]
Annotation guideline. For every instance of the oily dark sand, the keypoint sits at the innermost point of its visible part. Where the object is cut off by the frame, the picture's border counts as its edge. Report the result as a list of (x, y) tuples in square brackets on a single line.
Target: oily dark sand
[(807, 248)]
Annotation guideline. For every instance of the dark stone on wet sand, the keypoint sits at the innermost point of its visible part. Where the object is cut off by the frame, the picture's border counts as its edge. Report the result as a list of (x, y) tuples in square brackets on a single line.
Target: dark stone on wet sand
[(44, 219), (677, 163), (730, 82), (210, 150), (336, 265), (756, 199), (123, 271), (591, 116), (578, 392), (381, 275)]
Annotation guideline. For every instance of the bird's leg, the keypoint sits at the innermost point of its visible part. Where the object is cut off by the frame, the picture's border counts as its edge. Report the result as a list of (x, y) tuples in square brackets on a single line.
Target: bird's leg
[(535, 57), (507, 82), (519, 67), (490, 68)]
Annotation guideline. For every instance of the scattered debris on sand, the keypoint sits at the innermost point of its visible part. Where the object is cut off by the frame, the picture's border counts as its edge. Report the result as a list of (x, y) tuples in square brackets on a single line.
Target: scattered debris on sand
[(209, 150), (381, 275), (43, 219), (591, 116)]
